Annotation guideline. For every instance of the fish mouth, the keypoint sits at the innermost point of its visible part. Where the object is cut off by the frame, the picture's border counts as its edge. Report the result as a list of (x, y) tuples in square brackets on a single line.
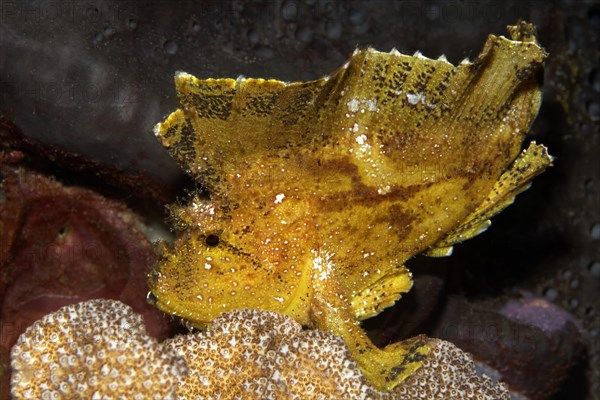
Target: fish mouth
[(185, 317)]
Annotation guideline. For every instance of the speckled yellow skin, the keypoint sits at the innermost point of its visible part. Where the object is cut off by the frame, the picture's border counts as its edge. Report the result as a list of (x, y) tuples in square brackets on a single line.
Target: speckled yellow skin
[(321, 190)]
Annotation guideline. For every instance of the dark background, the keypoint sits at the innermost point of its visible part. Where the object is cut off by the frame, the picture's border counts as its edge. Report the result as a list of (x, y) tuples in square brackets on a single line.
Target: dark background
[(93, 77)]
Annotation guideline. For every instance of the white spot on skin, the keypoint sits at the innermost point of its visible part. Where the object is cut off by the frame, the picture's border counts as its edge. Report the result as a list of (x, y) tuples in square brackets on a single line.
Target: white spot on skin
[(353, 105), (279, 299), (384, 190), (371, 104), (322, 266), (279, 198), (412, 98), (355, 128), (207, 266), (415, 98), (361, 139), (367, 104)]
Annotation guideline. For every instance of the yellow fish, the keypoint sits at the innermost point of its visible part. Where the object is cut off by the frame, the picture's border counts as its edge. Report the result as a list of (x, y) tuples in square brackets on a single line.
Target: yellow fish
[(320, 191)]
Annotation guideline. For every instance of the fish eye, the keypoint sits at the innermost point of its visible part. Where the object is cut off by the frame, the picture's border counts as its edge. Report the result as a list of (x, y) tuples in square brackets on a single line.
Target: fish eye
[(211, 240)]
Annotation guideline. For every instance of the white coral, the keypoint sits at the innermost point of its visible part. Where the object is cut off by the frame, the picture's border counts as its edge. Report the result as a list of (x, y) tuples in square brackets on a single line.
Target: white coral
[(100, 349)]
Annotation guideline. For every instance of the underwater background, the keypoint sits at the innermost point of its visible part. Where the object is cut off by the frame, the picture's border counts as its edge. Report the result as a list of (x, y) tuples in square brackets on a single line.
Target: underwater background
[(92, 78)]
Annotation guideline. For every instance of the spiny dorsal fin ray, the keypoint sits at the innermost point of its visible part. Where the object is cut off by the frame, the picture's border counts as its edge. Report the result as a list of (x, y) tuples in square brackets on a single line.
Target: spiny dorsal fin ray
[(235, 121), (225, 122)]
